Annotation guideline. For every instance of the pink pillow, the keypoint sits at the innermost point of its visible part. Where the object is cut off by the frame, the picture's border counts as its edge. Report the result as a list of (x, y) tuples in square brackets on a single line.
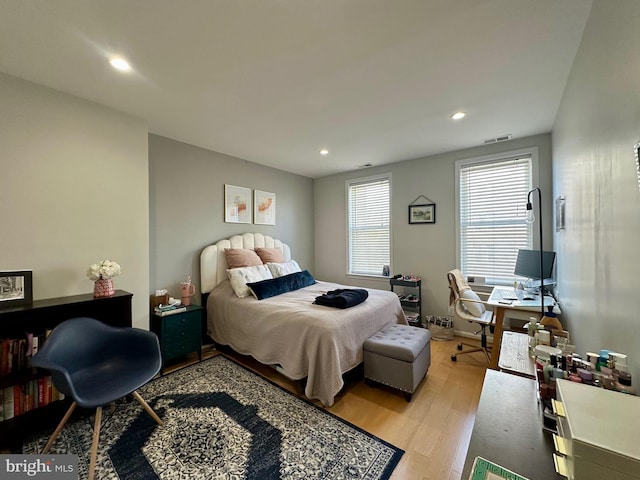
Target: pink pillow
[(241, 257), (270, 255)]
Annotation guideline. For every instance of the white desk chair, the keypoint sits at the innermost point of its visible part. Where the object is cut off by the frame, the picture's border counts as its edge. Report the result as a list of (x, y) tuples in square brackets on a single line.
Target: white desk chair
[(468, 306)]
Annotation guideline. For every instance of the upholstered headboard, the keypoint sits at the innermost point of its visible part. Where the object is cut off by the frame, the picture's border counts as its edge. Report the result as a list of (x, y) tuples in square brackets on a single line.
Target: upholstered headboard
[(213, 263)]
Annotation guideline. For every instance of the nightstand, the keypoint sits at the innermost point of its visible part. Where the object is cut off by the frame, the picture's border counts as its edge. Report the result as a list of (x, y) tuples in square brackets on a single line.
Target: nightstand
[(180, 333)]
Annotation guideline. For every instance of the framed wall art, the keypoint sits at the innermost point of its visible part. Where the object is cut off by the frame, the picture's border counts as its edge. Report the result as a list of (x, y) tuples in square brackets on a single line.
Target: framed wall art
[(636, 154), (237, 204), (560, 213), (424, 213), (16, 288), (264, 208)]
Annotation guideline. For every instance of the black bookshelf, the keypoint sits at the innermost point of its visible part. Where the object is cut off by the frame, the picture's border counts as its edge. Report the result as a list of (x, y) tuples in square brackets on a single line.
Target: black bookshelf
[(37, 318)]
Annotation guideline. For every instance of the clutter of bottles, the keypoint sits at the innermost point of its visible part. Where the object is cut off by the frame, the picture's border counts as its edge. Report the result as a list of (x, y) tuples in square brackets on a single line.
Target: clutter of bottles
[(555, 358)]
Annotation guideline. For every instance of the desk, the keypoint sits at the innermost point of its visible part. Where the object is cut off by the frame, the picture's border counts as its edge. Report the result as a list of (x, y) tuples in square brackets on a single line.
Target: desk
[(508, 428), (499, 307)]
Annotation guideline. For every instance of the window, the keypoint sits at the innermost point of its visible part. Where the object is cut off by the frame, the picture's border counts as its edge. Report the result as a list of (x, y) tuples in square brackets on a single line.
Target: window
[(492, 196), (369, 224)]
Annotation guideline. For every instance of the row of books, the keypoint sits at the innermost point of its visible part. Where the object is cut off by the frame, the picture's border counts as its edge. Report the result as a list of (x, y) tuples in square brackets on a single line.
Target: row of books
[(21, 398), (16, 353)]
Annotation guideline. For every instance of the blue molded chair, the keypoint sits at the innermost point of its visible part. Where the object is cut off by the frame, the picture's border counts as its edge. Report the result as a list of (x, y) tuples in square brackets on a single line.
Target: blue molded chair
[(96, 364)]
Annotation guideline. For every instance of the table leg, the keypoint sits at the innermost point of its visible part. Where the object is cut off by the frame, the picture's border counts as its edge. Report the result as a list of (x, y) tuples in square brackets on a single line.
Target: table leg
[(497, 338)]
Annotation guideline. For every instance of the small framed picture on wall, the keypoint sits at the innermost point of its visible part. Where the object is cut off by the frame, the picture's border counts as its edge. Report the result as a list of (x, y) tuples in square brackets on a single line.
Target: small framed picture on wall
[(425, 213), (264, 207), (237, 204)]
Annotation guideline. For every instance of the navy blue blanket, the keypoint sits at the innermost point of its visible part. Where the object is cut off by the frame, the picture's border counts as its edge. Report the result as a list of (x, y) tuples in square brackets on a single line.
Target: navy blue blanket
[(342, 298)]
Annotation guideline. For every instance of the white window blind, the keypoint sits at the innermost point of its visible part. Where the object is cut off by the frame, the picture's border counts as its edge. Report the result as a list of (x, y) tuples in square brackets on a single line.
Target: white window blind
[(492, 200), (369, 220)]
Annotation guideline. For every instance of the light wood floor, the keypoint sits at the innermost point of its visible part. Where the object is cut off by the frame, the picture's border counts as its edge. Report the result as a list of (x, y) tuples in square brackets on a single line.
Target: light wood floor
[(433, 429)]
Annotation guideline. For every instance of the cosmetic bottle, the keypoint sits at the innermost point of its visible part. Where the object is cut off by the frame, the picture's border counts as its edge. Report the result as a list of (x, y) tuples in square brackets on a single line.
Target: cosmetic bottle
[(532, 328), (624, 383), (602, 359), (619, 363)]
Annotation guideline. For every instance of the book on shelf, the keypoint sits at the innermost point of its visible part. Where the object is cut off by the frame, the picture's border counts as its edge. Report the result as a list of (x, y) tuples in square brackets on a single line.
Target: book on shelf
[(171, 311), (16, 353), (8, 402), (35, 344)]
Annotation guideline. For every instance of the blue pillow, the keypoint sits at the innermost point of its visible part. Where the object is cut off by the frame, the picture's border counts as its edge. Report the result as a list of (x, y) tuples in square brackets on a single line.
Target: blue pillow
[(275, 286)]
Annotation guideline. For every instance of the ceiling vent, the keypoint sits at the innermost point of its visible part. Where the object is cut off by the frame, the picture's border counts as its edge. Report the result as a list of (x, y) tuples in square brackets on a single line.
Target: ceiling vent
[(501, 138)]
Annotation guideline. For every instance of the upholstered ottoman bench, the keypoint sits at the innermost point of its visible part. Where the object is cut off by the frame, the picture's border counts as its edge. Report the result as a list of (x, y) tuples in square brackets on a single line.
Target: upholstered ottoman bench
[(398, 356)]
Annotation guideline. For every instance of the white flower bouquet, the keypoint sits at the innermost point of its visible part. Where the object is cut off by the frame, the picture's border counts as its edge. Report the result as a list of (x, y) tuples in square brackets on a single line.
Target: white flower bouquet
[(105, 269)]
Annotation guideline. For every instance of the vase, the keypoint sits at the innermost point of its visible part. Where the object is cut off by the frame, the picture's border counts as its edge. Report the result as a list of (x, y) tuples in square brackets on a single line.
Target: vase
[(103, 288)]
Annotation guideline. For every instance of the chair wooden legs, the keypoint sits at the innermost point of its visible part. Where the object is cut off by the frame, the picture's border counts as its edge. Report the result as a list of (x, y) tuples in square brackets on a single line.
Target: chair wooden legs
[(96, 430), (94, 443), (146, 406), (59, 428)]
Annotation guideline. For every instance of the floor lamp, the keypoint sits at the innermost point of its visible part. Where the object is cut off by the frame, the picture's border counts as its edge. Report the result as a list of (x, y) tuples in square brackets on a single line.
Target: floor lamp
[(530, 218)]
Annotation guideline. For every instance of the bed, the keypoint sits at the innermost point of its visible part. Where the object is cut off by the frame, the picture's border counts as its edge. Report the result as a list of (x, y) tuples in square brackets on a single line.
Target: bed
[(301, 339)]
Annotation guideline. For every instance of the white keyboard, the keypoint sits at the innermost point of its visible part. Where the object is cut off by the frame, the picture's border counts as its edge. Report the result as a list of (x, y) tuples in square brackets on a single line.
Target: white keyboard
[(508, 294)]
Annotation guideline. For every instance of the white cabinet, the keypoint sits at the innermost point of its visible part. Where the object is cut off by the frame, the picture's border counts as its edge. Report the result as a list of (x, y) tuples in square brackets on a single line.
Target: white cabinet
[(598, 433)]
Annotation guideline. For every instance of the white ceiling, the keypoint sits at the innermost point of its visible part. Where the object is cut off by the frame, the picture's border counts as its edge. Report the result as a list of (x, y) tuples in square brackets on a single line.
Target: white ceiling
[(274, 81)]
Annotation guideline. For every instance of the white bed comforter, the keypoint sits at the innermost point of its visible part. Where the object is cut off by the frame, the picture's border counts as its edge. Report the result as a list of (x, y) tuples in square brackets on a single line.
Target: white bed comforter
[(305, 340)]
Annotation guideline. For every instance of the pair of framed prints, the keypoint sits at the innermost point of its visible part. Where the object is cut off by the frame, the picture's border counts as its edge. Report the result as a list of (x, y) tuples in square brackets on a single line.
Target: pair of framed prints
[(239, 208)]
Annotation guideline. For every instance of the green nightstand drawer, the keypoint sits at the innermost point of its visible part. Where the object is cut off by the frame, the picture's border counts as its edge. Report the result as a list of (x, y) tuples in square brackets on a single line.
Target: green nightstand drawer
[(177, 325), (178, 349)]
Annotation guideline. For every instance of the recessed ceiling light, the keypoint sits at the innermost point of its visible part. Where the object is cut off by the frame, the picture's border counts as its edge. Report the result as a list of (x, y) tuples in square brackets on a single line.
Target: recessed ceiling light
[(120, 63), (458, 115), (324, 151)]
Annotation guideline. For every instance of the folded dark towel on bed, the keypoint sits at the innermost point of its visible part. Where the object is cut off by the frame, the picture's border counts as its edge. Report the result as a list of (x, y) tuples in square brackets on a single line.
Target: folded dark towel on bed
[(342, 297)]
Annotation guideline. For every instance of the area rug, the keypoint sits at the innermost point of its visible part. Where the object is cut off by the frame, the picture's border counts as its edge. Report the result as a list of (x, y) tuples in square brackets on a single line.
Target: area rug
[(223, 421)]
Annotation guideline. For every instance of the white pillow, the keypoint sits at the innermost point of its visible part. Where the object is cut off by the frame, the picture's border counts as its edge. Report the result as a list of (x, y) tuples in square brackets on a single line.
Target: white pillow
[(475, 309), (239, 277), (281, 269)]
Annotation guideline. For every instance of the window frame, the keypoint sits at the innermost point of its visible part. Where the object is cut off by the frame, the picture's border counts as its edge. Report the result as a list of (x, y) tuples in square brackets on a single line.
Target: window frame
[(359, 180), (495, 157)]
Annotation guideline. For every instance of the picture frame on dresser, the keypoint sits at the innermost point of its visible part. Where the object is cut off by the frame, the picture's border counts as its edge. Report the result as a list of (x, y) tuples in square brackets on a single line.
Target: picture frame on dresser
[(16, 288)]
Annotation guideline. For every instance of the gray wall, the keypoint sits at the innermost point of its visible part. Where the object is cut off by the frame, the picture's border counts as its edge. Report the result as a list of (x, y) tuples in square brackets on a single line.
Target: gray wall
[(425, 250), (74, 191), (593, 165), (187, 208), (83, 183)]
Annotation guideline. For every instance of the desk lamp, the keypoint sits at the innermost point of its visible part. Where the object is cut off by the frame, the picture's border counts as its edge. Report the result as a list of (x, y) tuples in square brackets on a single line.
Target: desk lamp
[(530, 218)]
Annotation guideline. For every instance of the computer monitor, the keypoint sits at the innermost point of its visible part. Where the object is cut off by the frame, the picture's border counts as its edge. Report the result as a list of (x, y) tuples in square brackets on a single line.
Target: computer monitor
[(528, 264)]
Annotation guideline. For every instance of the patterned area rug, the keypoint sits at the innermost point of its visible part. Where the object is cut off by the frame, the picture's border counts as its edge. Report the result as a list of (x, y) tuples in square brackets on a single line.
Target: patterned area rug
[(223, 421)]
